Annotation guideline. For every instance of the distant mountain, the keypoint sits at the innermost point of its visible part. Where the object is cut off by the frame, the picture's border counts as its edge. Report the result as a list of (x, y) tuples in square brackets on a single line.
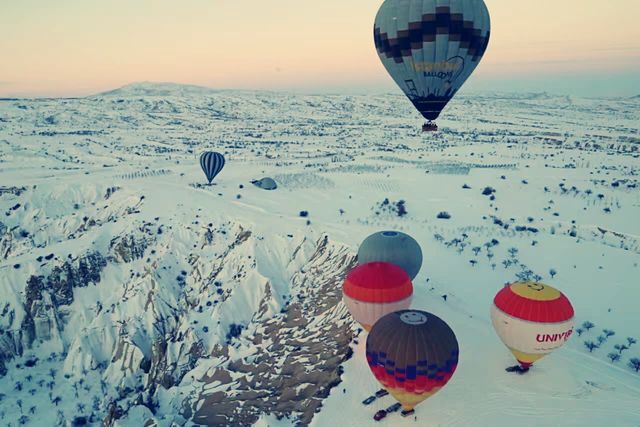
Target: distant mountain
[(157, 89)]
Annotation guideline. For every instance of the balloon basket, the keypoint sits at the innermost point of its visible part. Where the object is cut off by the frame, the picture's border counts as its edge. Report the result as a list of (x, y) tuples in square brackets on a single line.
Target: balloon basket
[(430, 127), (408, 413), (517, 369)]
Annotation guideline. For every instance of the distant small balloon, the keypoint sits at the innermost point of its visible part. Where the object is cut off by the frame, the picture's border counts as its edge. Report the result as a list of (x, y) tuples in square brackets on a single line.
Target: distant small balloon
[(393, 247), (212, 163)]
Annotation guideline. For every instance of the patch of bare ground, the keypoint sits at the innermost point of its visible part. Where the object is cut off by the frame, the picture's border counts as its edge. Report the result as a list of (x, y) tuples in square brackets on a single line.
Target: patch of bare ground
[(298, 352)]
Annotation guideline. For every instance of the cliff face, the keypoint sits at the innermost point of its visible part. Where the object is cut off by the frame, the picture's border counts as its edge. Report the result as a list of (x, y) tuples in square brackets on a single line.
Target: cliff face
[(289, 361), (143, 306), (45, 305)]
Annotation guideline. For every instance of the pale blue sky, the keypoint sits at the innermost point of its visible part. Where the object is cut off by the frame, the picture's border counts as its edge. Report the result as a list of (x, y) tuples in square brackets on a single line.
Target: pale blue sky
[(79, 47)]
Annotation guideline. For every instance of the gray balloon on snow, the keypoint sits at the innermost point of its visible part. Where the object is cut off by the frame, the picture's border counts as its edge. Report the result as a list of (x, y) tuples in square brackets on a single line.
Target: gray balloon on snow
[(266, 183), (393, 247)]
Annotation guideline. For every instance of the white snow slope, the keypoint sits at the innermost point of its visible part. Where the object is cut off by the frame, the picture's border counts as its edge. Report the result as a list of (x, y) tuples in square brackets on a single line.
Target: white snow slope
[(121, 276)]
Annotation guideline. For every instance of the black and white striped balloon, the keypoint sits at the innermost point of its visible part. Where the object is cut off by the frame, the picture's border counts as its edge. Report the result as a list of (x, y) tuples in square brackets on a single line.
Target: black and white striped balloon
[(212, 163)]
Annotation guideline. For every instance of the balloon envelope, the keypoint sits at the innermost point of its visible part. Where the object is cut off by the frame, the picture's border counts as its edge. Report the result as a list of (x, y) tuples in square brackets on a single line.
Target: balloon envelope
[(211, 163), (393, 247), (266, 183), (431, 47), (374, 289), (413, 354), (532, 320)]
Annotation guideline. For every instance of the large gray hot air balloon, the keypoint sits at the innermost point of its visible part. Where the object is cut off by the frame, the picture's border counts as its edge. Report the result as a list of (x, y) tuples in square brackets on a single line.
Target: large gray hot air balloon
[(211, 163), (431, 47), (393, 247)]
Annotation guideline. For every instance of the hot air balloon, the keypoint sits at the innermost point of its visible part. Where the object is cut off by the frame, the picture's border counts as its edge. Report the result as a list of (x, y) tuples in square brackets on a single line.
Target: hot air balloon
[(393, 247), (211, 163), (265, 183), (413, 354), (374, 289), (532, 320), (430, 48)]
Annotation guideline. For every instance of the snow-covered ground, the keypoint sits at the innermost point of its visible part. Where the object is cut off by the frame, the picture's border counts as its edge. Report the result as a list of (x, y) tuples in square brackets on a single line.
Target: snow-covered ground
[(129, 292)]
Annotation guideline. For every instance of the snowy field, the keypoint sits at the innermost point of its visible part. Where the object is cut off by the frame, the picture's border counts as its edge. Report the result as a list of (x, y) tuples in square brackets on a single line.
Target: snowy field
[(131, 294)]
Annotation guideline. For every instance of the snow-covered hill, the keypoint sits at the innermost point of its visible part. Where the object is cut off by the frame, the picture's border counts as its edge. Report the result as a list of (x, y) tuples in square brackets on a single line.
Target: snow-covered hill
[(130, 294), (157, 90)]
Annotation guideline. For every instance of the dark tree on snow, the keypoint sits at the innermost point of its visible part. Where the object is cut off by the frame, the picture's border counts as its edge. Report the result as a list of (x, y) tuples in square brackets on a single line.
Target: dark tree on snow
[(631, 341), (444, 215), (588, 325), (620, 348), (614, 357), (553, 273), (635, 364), (591, 346), (608, 332)]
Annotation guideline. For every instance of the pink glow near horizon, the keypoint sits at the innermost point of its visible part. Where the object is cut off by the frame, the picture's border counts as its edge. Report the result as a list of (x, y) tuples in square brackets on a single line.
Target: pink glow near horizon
[(76, 47)]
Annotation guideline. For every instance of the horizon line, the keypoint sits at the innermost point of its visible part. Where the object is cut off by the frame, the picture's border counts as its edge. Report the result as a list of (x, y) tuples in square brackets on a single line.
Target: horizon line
[(336, 90)]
